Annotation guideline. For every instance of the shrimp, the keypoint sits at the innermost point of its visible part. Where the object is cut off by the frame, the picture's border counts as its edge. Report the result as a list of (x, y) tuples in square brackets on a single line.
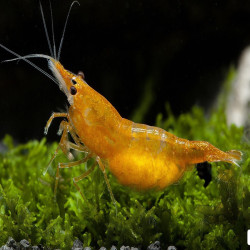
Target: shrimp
[(140, 156)]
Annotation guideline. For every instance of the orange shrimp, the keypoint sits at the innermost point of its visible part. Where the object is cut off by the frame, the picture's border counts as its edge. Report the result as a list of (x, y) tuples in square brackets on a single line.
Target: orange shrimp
[(139, 156)]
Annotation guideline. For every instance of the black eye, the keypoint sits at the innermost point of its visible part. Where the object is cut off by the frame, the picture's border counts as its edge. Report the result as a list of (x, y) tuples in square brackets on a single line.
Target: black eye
[(73, 81), (73, 90), (81, 74)]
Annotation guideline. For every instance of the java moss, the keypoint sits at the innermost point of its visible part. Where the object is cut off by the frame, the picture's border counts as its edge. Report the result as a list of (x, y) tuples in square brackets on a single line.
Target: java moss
[(186, 214)]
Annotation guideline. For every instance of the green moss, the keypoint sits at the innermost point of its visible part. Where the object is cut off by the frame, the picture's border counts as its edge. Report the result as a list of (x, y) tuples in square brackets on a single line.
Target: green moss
[(186, 214)]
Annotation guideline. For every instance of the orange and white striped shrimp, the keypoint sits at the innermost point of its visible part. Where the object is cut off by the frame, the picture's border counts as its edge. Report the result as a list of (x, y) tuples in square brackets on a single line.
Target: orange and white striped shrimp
[(140, 156)]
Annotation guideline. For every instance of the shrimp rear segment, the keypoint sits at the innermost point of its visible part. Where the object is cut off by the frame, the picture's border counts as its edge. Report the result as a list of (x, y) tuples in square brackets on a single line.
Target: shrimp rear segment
[(200, 151)]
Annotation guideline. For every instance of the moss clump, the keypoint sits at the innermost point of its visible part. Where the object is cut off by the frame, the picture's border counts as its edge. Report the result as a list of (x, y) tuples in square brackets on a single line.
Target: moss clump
[(187, 214)]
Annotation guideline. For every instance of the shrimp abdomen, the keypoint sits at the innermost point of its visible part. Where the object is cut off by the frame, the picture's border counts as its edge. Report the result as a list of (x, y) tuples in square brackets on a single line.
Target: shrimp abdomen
[(142, 171), (145, 157)]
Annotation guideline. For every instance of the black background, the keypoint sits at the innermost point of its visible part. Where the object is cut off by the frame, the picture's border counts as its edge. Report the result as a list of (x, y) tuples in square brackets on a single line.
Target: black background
[(184, 47)]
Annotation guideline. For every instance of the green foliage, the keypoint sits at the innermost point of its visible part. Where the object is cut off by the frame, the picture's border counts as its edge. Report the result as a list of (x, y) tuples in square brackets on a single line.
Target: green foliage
[(186, 214)]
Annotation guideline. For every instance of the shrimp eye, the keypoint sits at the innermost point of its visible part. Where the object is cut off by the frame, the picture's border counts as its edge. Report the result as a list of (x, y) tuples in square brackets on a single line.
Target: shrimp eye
[(81, 74), (73, 81), (73, 90)]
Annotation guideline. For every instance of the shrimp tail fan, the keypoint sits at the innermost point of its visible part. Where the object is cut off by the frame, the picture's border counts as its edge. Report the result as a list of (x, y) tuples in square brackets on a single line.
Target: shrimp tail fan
[(234, 156)]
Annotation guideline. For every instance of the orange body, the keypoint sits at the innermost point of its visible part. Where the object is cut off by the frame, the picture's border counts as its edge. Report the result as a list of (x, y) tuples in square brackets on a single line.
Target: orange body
[(140, 156)]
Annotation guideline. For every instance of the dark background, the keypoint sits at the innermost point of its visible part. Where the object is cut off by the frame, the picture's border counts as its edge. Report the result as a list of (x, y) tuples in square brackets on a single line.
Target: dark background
[(184, 48)]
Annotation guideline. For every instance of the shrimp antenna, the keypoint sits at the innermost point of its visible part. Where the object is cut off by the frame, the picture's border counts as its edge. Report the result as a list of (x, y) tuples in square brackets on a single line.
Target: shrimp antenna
[(29, 62), (46, 30), (65, 25), (52, 28)]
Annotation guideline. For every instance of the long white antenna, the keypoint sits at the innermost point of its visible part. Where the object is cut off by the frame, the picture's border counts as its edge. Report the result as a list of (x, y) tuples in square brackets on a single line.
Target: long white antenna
[(52, 28), (46, 31), (61, 42), (29, 62)]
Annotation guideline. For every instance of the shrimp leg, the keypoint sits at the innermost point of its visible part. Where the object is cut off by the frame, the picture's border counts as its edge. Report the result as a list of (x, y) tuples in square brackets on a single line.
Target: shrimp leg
[(69, 165), (65, 145), (73, 134), (102, 167), (76, 147), (64, 140), (70, 145), (62, 145), (66, 125), (54, 115), (82, 176)]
